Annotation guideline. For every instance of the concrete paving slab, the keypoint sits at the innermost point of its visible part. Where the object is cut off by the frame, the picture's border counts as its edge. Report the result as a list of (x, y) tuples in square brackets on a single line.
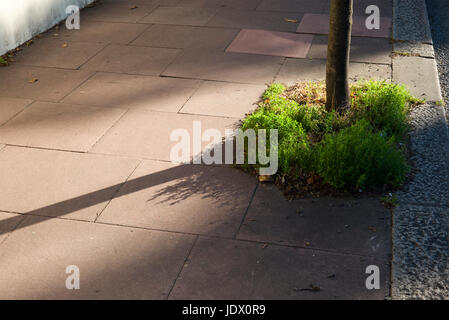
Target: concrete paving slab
[(385, 7), (100, 32), (360, 6), (59, 184), (411, 21), (224, 99), (122, 12), (310, 6), (134, 92), (319, 24), (230, 269), (57, 53), (221, 66), (190, 198), (272, 43), (247, 19), (132, 60), (356, 226), (420, 267), (181, 37), (420, 75), (414, 48), (145, 2), (59, 126), (113, 262), (167, 2), (8, 222), (429, 144), (9, 107), (295, 70), (363, 49), (47, 84), (234, 4), (180, 16), (146, 134)]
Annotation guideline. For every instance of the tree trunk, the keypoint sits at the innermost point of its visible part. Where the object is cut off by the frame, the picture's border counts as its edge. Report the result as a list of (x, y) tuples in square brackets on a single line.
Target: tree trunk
[(339, 43)]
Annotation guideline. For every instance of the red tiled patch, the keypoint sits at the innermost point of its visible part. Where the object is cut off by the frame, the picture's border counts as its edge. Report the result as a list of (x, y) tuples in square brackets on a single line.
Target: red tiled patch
[(271, 43), (319, 24)]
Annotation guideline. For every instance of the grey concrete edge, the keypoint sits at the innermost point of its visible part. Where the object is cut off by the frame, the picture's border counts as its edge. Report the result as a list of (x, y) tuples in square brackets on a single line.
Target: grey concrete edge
[(413, 52), (414, 56)]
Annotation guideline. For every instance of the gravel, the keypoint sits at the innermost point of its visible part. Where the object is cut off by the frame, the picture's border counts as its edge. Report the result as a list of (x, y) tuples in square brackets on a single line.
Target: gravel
[(420, 266)]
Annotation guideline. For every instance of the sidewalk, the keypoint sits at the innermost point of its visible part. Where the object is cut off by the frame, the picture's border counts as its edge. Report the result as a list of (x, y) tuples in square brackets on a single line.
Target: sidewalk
[(420, 265), (85, 121)]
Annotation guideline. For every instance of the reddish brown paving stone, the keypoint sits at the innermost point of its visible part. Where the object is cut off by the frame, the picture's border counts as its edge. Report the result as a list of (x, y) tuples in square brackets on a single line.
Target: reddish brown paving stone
[(59, 126), (234, 4), (230, 269), (283, 44), (180, 16), (363, 49), (246, 19), (132, 60), (319, 24), (224, 99), (134, 92), (113, 262), (310, 6), (167, 36), (9, 107), (356, 226), (119, 12), (295, 70), (224, 66), (146, 134), (188, 198), (100, 32), (45, 84), (58, 53), (59, 184)]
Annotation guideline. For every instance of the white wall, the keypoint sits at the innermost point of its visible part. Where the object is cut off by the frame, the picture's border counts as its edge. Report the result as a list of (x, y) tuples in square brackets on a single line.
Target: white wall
[(20, 20)]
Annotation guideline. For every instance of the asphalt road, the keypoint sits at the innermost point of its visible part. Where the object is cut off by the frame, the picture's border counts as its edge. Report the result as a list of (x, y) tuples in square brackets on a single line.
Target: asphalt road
[(439, 22)]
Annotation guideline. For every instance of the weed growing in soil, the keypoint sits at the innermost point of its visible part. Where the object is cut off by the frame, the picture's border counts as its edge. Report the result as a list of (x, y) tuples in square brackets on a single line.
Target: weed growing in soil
[(356, 150)]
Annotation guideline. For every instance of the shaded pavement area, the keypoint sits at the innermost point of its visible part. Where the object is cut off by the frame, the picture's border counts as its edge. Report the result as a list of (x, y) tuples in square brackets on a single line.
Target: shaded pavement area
[(85, 176)]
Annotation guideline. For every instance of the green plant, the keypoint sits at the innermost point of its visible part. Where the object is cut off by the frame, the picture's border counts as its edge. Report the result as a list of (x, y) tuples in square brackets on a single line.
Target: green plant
[(261, 119), (352, 150), (3, 61), (274, 91), (390, 200), (384, 105), (295, 153), (357, 157)]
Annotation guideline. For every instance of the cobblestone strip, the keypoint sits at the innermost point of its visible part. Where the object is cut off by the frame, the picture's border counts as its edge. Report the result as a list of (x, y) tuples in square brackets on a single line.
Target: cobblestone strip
[(420, 267)]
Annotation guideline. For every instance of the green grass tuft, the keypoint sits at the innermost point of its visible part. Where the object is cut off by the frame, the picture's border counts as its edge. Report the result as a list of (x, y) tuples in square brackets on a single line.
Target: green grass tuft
[(358, 156), (355, 150)]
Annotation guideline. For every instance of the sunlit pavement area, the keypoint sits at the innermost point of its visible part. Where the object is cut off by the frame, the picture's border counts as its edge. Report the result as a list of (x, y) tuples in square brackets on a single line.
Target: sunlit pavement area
[(85, 171)]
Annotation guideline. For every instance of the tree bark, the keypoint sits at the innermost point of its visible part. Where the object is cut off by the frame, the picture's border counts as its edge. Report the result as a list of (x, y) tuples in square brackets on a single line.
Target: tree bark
[(339, 43)]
